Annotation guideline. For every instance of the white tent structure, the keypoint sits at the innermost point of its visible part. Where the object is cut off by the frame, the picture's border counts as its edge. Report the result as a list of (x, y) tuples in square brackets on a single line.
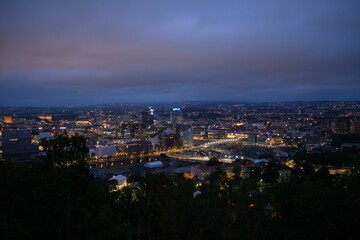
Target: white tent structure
[(155, 164), (121, 181)]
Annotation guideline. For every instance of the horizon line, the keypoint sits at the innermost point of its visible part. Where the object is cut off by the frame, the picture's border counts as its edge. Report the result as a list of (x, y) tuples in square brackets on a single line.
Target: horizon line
[(180, 102)]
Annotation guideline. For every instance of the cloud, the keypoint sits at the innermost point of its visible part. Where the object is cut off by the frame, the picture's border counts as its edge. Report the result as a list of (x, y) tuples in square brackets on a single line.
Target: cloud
[(76, 53)]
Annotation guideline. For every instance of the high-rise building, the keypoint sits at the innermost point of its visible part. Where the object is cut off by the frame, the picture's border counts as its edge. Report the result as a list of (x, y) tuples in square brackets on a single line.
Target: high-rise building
[(186, 133), (131, 130), (168, 138), (171, 141), (175, 116), (147, 117)]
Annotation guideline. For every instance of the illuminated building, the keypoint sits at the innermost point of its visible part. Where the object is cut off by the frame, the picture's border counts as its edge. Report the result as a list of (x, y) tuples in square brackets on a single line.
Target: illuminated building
[(170, 141), (147, 117), (45, 117), (83, 122), (175, 116), (138, 147), (340, 127), (131, 131), (355, 126), (8, 120), (102, 151), (275, 141), (186, 134)]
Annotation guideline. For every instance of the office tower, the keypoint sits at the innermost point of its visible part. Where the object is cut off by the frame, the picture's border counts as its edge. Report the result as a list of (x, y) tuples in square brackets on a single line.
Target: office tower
[(175, 116), (147, 117)]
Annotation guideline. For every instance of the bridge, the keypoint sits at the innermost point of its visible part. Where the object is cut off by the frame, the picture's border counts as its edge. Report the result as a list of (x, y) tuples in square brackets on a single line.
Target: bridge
[(223, 141)]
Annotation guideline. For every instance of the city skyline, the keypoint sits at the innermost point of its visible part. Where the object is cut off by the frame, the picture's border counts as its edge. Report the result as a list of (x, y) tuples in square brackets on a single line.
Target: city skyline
[(92, 52)]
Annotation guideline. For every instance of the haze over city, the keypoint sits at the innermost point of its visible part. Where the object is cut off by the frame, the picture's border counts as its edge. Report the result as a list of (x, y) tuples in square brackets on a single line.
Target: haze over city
[(61, 53)]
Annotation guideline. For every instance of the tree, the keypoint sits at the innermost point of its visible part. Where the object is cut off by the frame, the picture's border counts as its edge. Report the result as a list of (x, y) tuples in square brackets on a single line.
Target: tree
[(267, 156), (323, 173), (163, 157), (64, 150), (308, 170), (270, 174), (213, 162), (237, 171)]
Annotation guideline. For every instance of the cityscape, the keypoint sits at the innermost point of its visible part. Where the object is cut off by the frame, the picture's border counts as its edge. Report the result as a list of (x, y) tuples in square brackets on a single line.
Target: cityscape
[(179, 120), (260, 145)]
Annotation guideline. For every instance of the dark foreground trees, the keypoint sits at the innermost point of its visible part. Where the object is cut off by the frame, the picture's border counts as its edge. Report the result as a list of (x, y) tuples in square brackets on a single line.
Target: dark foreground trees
[(65, 150), (38, 202), (41, 203)]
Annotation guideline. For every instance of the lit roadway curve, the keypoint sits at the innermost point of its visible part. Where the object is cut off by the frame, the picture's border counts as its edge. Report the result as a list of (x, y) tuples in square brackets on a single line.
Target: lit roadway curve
[(178, 154)]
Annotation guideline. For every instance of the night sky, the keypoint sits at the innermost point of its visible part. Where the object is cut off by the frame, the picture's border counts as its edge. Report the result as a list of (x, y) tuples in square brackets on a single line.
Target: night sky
[(61, 53)]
